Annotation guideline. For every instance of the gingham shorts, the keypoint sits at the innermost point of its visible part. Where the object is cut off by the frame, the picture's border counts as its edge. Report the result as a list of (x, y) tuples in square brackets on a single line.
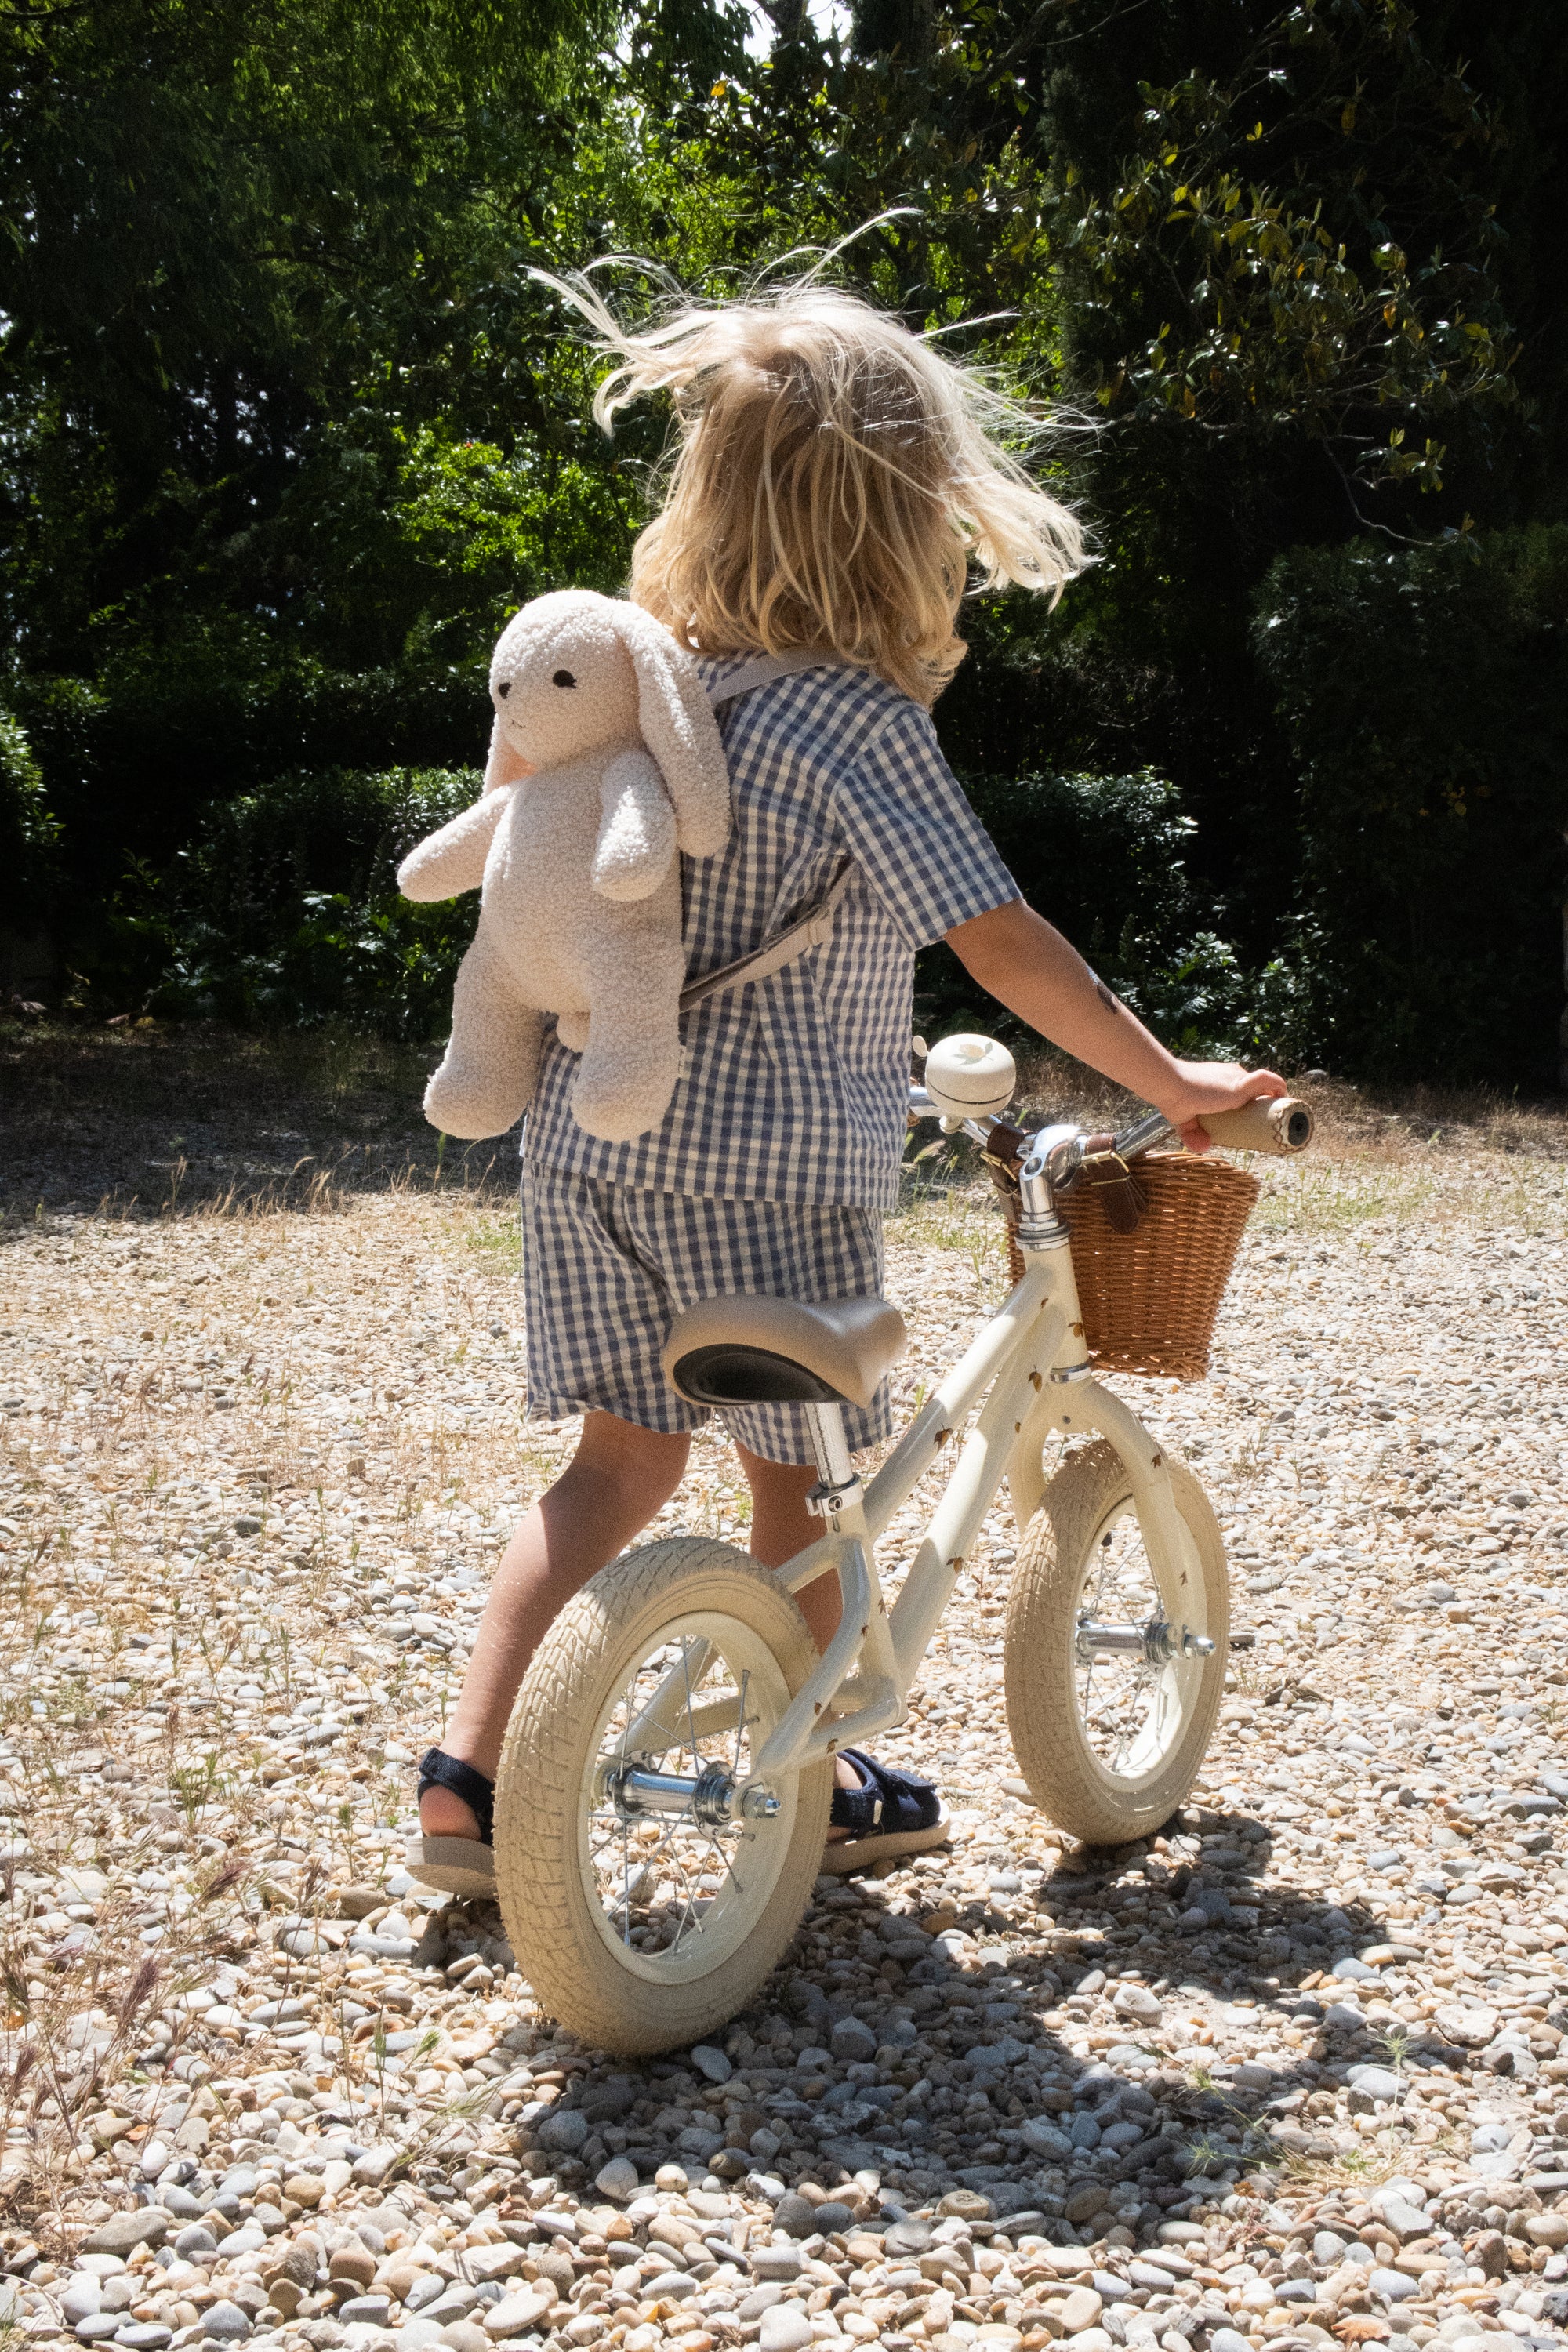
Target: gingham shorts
[(607, 1267)]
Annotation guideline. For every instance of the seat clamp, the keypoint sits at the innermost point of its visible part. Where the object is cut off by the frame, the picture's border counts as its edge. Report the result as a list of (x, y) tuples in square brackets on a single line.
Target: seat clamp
[(826, 1501)]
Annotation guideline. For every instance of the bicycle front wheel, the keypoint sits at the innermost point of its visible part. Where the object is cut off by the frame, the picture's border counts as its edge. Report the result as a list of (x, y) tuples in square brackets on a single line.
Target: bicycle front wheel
[(1113, 1674), (642, 1915)]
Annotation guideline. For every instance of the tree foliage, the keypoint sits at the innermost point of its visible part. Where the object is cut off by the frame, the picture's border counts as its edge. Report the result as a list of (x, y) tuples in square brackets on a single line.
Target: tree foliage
[(287, 428), (1426, 695)]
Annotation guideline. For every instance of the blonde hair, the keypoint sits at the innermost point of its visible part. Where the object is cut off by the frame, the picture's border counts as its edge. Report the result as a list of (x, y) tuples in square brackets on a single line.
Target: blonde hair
[(834, 478)]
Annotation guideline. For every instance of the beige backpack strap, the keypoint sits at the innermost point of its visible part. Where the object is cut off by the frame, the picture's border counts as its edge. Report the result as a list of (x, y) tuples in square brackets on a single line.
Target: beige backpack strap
[(807, 932), (764, 669), (810, 929)]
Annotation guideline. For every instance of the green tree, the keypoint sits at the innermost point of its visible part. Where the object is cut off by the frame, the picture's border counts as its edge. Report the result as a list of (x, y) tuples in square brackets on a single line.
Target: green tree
[(1426, 695), (265, 292)]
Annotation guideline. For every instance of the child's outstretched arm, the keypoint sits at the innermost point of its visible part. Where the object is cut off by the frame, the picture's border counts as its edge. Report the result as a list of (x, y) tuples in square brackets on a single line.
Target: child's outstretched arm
[(1019, 958)]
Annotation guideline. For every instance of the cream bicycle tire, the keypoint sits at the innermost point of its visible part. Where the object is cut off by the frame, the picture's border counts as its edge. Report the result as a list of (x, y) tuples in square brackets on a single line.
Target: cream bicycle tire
[(580, 1962), (1047, 1712)]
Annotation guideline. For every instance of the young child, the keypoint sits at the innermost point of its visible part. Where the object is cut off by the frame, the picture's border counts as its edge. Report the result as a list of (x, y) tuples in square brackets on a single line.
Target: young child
[(834, 478)]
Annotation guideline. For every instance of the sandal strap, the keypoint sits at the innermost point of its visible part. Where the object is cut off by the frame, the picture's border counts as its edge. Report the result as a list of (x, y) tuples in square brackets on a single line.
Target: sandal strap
[(890, 1801), (439, 1770)]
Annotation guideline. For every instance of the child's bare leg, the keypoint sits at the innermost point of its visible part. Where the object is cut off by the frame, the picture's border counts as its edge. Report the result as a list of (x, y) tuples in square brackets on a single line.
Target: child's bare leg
[(619, 1477), (782, 1526)]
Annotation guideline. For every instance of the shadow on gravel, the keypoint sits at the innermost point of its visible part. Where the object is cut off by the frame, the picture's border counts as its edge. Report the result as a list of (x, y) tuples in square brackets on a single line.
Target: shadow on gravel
[(1130, 2135), (174, 1122)]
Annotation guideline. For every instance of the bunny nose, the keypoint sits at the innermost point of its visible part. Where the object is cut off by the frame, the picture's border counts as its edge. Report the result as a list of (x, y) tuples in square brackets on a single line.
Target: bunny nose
[(562, 678), (504, 688)]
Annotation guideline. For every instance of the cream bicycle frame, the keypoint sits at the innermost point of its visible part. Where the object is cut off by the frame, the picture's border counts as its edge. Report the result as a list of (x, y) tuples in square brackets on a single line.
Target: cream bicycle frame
[(1031, 1358), (1028, 1373)]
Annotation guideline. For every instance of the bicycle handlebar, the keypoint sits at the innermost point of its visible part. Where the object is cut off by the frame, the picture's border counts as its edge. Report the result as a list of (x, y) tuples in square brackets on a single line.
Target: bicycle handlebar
[(1278, 1128)]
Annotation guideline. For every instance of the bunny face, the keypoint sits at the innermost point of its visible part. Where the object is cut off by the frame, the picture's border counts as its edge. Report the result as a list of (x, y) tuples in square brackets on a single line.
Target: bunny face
[(576, 673), (563, 679)]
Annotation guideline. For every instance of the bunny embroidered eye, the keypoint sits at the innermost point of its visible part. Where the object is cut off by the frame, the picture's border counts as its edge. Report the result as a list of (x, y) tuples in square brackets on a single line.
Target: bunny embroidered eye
[(562, 678), (504, 688)]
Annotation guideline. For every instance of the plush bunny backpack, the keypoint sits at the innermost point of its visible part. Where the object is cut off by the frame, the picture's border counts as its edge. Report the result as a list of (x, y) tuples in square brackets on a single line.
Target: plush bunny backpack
[(605, 761)]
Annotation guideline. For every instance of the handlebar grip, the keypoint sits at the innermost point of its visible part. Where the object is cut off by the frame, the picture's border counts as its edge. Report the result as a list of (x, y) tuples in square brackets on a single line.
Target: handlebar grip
[(1279, 1128)]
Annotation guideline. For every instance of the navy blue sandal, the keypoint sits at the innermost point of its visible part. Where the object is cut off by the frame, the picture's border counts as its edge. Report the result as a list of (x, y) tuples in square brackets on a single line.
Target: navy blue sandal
[(456, 1865), (891, 1812)]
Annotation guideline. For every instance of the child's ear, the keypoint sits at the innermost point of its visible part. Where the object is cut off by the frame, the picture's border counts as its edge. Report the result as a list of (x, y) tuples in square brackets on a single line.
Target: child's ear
[(679, 727)]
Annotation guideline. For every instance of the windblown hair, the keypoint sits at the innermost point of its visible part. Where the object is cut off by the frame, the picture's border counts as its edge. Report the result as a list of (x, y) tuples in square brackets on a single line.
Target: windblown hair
[(834, 478)]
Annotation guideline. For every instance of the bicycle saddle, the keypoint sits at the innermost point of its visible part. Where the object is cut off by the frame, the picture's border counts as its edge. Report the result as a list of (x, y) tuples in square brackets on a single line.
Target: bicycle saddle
[(754, 1350)]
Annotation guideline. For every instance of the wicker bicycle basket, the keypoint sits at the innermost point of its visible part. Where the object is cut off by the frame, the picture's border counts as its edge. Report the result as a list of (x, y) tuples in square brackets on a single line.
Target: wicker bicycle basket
[(1150, 1297)]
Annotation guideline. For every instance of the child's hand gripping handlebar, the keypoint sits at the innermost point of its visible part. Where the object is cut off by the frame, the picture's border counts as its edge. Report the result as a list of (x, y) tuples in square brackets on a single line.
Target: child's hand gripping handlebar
[(1279, 1127)]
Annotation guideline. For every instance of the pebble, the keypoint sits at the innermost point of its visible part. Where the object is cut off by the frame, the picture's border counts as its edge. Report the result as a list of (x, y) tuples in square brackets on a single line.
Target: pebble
[(365, 2310), (565, 2133), (124, 2233), (516, 2313), (776, 2262), (465, 2336), (1379, 2083), (853, 2040), (784, 2327), (1081, 2309), (226, 2321)]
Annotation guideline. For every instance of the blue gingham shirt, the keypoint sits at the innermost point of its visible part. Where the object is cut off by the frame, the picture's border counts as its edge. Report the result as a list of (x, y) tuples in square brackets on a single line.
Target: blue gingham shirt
[(794, 1088)]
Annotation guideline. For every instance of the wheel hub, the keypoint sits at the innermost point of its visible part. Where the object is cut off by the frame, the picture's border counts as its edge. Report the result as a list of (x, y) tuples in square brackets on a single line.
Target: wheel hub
[(1156, 1642), (710, 1795)]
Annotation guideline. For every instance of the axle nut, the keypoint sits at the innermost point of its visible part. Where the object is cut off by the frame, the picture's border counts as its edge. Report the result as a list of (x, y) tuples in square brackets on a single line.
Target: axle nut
[(759, 1804)]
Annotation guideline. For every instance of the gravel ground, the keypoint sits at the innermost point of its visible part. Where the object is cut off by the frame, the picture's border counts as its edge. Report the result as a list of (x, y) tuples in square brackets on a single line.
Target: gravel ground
[(1287, 2075)]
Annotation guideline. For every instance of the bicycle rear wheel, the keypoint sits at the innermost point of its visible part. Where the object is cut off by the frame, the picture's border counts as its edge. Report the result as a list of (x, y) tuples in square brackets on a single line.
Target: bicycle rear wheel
[(638, 1929), (1110, 1725)]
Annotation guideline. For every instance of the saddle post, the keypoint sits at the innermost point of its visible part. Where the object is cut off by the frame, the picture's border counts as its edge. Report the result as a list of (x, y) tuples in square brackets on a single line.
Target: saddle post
[(837, 1487), (839, 1499)]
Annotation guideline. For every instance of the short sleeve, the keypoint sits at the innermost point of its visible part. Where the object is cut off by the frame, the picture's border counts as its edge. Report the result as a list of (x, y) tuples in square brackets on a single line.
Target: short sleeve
[(904, 817)]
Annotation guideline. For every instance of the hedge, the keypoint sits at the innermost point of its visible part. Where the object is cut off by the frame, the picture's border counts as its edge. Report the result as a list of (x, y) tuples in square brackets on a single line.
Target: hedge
[(1426, 695)]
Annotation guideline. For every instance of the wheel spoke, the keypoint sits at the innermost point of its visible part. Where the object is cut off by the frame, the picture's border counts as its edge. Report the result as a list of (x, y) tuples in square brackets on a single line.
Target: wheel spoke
[(724, 1857), (691, 1727), (740, 1727)]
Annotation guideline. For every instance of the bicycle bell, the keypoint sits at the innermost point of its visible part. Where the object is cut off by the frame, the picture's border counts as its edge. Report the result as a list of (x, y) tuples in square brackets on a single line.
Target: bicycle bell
[(970, 1078)]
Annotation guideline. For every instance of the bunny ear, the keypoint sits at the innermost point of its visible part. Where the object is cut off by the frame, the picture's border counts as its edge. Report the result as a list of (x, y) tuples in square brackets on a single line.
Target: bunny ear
[(504, 765), (680, 731), (498, 760)]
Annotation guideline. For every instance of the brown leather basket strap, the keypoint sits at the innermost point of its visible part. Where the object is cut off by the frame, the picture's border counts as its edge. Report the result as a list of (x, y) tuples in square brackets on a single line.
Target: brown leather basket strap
[(1012, 1207), (1120, 1195), (1006, 1149), (807, 932)]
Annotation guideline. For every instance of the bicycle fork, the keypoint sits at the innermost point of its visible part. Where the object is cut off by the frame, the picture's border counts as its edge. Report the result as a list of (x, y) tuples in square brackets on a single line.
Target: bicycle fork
[(1087, 1406)]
